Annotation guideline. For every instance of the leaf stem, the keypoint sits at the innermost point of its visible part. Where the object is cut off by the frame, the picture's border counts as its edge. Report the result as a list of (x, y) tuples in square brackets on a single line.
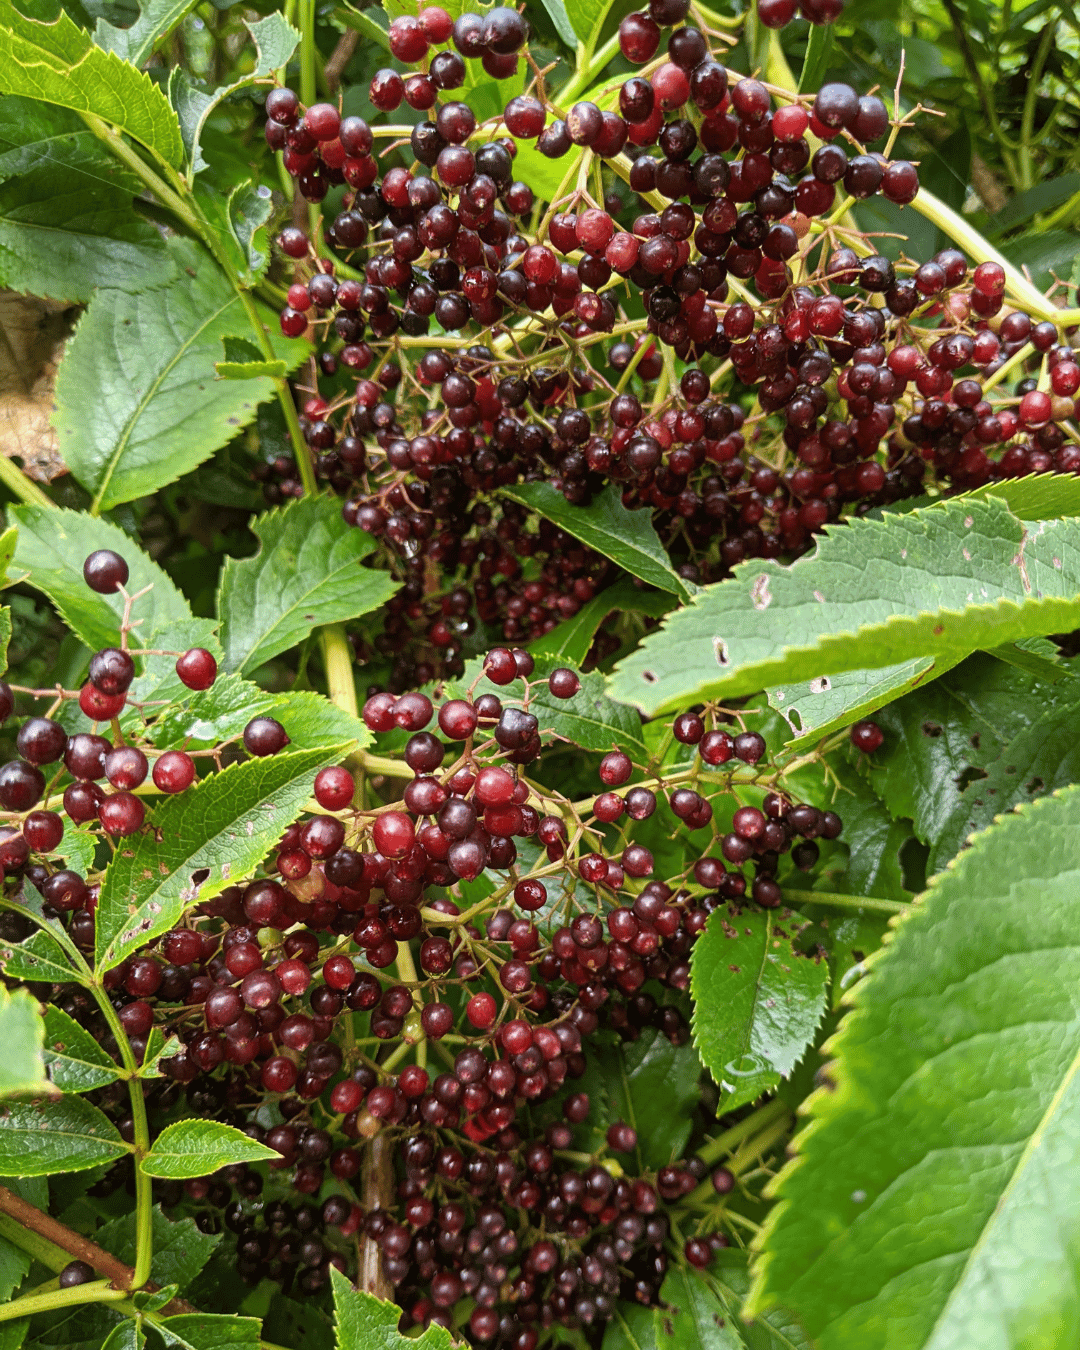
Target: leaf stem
[(715, 1149), (24, 488), (100, 1291), (581, 79), (832, 900)]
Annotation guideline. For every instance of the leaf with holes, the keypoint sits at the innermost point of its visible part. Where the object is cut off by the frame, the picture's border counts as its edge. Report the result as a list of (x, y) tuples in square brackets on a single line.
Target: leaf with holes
[(65, 1135), (213, 833), (134, 416), (306, 574), (942, 581), (757, 1000), (934, 1201), (195, 1148), (626, 537)]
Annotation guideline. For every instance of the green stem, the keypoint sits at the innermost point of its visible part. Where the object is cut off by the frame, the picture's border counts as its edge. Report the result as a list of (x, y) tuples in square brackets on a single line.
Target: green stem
[(584, 76), (24, 488), (1020, 290), (144, 1200), (722, 1145), (831, 900), (1027, 119), (100, 1291), (1007, 367), (33, 1244), (307, 53)]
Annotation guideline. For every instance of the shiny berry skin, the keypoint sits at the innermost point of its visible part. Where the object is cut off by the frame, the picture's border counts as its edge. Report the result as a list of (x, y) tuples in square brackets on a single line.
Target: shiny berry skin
[(43, 831), (126, 767), (105, 571), (75, 1273), (457, 719), (264, 736), (121, 814), (393, 834), (836, 105), (41, 741), (867, 737), (21, 785), (563, 683), (197, 668), (639, 38), (481, 1010), (112, 670), (500, 666), (749, 747), (174, 771), (323, 121), (99, 707), (622, 1137), (334, 788), (412, 712), (615, 768)]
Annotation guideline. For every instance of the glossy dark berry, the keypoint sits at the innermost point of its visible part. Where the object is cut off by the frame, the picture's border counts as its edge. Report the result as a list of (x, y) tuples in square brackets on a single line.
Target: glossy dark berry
[(867, 737), (197, 668), (111, 671), (264, 736), (105, 571), (75, 1273)]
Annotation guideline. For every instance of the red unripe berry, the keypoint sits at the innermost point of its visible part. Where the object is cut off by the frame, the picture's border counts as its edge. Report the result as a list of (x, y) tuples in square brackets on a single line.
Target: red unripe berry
[(334, 788), (563, 683), (615, 768), (393, 834), (494, 786), (338, 971), (197, 668), (481, 1010), (174, 771), (867, 737), (121, 814)]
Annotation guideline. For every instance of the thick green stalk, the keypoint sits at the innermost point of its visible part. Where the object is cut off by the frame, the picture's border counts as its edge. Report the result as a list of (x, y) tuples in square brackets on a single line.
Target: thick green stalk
[(831, 900), (1027, 119), (24, 488), (722, 1145), (586, 73), (100, 1291)]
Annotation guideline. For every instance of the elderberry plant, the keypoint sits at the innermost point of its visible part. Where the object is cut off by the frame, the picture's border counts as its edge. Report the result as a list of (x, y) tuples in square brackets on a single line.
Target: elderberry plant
[(537, 793)]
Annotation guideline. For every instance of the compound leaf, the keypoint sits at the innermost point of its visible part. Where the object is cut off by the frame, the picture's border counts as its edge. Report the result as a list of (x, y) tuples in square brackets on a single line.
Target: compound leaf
[(365, 1322), (214, 832)]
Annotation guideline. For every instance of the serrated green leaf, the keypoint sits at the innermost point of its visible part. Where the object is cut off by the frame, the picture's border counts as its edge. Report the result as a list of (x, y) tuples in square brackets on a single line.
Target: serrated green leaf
[(814, 709), (694, 1316), (587, 19), (1041, 496), (978, 742), (873, 838), (39, 957), (275, 41), (52, 547), (632, 1327), (22, 1068), (774, 1330), (148, 1302), (363, 21), (195, 1148), (223, 825), (63, 1134), (365, 1322), (757, 1000), (77, 1063), (14, 1268), (239, 222), (626, 537), (221, 712), (57, 62), (570, 641), (210, 1331), (819, 45), (13, 1333), (77, 848), (66, 218), (934, 1200), (306, 574), (134, 44), (942, 581), (8, 540), (180, 1249), (134, 416)]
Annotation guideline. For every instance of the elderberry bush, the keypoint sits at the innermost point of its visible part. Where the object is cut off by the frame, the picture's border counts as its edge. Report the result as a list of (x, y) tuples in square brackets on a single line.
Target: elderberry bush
[(538, 679)]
